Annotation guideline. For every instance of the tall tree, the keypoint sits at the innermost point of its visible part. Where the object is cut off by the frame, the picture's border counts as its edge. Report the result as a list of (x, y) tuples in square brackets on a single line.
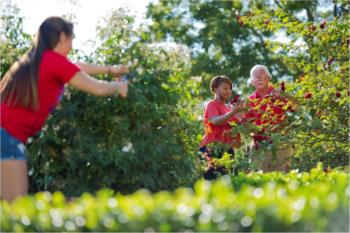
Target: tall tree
[(220, 41)]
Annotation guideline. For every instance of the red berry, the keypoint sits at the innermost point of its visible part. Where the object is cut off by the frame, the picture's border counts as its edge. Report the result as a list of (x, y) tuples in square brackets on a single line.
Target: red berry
[(308, 95), (239, 20), (323, 24), (283, 86), (312, 28), (338, 94), (318, 113), (235, 99), (330, 61), (267, 22)]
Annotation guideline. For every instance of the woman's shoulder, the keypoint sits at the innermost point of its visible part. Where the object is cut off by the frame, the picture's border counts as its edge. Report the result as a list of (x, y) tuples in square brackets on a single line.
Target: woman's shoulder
[(52, 55), (211, 103), (54, 59)]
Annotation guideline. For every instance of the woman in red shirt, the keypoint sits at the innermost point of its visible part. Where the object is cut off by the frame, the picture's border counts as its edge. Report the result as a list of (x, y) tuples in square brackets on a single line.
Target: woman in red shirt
[(217, 115), (32, 88)]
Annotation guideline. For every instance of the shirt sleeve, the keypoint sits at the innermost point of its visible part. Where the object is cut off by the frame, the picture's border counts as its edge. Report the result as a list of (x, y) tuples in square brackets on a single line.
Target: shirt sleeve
[(212, 110), (63, 69)]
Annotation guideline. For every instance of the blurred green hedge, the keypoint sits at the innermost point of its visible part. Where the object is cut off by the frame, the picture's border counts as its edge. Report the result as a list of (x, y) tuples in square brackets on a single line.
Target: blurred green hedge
[(315, 201)]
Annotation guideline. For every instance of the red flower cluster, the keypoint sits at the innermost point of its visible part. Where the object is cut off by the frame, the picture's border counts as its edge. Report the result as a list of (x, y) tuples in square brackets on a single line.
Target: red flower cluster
[(235, 99), (239, 20), (312, 28), (308, 95), (337, 94), (283, 86)]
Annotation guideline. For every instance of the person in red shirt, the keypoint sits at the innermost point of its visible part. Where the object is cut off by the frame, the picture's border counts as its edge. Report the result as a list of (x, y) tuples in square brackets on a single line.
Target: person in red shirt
[(217, 115), (30, 91), (267, 108)]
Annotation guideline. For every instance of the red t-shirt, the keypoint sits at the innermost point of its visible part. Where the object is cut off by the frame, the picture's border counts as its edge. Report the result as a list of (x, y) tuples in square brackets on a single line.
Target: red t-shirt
[(216, 133), (266, 111), (55, 70)]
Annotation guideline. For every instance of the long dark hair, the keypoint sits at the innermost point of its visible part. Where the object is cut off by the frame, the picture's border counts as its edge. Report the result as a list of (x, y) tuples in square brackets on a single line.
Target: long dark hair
[(19, 86)]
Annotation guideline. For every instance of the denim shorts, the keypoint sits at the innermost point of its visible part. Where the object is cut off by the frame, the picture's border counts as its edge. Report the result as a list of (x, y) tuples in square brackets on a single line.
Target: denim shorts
[(11, 147)]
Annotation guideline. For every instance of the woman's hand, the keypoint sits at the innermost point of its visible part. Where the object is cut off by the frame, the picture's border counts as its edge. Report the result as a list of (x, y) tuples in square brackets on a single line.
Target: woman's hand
[(122, 87), (239, 107), (118, 70)]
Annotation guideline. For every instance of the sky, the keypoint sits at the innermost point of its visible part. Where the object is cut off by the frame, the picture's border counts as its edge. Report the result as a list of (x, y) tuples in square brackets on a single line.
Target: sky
[(87, 12)]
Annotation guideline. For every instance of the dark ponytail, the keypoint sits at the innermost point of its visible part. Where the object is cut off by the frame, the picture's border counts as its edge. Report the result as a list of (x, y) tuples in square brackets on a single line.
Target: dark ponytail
[(19, 86)]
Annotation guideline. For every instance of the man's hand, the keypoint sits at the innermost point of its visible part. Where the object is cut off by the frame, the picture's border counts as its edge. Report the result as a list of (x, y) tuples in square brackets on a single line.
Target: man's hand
[(276, 93)]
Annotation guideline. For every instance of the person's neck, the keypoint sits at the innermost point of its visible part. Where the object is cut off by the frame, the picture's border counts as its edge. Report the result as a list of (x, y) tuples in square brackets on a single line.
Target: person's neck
[(59, 51), (263, 92), (220, 100)]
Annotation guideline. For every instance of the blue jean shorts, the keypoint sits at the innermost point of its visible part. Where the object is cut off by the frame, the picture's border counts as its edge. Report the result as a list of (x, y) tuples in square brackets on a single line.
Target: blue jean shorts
[(11, 147)]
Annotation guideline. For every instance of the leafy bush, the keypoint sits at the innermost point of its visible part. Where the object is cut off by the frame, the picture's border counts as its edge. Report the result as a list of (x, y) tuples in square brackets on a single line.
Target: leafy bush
[(14, 41), (314, 201), (317, 55), (143, 141)]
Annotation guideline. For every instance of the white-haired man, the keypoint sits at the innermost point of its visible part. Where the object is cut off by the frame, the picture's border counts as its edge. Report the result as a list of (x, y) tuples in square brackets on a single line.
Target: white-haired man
[(267, 109)]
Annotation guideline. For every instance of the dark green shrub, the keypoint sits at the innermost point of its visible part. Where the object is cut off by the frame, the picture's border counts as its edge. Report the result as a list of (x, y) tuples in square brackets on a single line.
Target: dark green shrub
[(143, 141)]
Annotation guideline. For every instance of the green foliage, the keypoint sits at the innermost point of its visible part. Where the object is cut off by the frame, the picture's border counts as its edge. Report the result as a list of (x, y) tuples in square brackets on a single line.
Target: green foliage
[(221, 157), (143, 141), (298, 42), (14, 42), (91, 143), (149, 140), (317, 55), (220, 43), (293, 202)]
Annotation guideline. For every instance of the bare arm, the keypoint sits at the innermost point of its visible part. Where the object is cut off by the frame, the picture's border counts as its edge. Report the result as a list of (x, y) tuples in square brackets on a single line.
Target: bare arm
[(219, 120), (93, 69), (86, 83)]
